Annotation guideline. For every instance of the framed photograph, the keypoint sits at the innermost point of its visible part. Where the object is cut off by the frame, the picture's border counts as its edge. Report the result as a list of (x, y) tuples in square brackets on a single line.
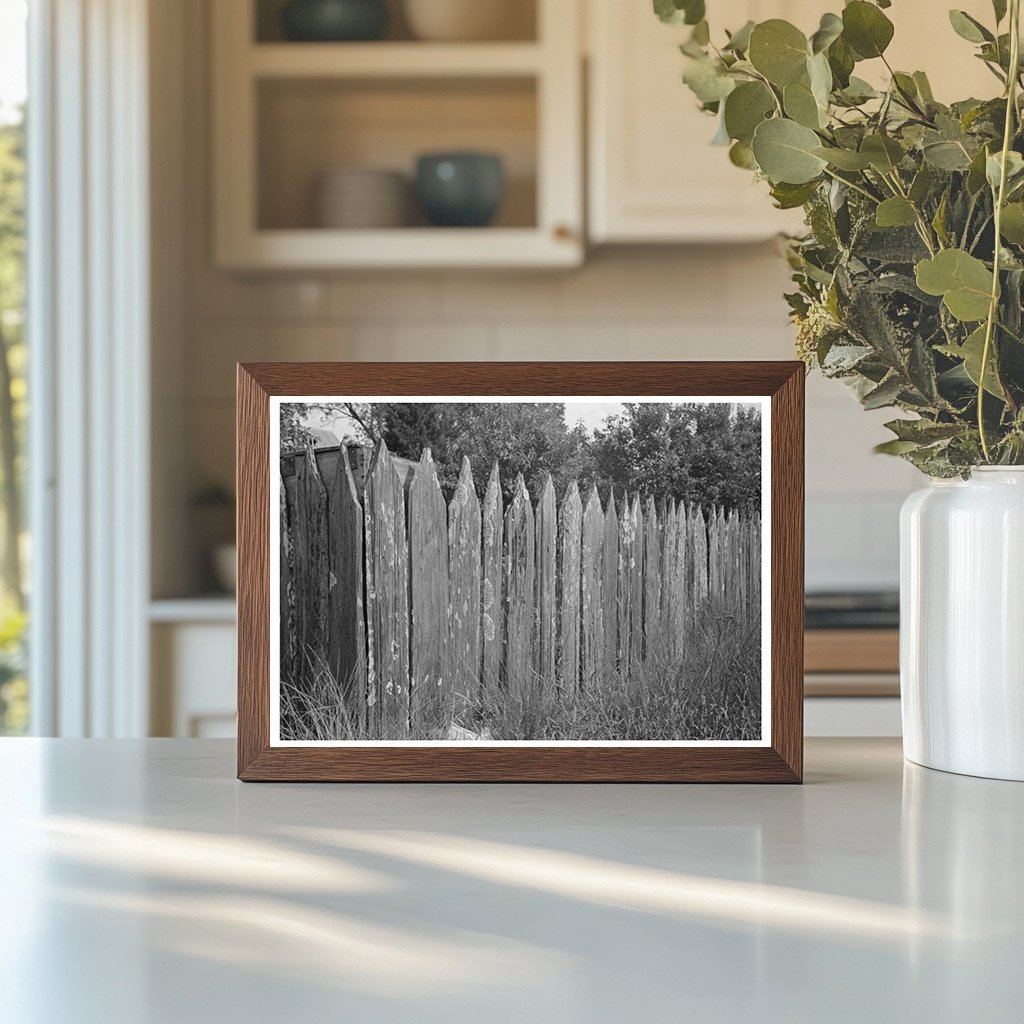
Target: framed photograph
[(520, 572)]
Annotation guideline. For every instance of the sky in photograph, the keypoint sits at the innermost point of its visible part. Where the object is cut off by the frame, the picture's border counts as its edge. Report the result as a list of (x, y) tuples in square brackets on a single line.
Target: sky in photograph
[(331, 427)]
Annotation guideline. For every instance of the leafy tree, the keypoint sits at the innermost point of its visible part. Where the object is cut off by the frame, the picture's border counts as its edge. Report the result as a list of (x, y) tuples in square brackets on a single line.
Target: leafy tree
[(13, 396), (522, 437), (13, 411), (704, 454)]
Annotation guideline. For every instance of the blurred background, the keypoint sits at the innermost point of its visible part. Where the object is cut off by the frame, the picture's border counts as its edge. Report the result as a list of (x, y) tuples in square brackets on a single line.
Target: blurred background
[(245, 180)]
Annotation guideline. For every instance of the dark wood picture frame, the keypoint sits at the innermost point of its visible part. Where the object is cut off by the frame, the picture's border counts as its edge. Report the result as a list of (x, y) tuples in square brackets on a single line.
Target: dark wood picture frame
[(781, 761)]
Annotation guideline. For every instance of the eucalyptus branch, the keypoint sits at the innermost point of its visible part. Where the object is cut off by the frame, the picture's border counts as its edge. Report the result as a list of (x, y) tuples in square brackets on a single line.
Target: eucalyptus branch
[(850, 184), (1000, 199)]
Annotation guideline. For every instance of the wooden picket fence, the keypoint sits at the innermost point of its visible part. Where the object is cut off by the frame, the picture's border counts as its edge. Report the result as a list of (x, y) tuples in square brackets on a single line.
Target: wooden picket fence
[(412, 605)]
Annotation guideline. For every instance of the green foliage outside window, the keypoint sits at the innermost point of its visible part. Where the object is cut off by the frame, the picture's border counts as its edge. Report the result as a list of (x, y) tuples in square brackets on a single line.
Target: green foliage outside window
[(13, 413)]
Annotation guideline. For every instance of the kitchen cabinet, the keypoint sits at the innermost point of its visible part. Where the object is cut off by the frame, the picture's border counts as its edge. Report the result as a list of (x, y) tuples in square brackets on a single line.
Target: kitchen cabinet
[(653, 175), (193, 654), (286, 113)]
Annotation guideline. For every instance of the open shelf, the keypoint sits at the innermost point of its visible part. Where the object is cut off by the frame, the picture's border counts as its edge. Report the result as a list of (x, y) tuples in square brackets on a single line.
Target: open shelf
[(393, 59), (308, 127), (520, 17), (286, 114)]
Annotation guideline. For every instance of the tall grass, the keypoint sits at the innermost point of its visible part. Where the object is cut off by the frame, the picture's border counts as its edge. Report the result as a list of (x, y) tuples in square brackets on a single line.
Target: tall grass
[(711, 691)]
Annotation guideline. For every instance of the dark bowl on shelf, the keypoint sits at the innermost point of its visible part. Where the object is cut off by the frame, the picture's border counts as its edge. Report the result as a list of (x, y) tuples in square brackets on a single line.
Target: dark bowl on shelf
[(333, 21), (461, 190)]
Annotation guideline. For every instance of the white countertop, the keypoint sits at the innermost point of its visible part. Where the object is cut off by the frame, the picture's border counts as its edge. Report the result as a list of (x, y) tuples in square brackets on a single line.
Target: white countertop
[(143, 885)]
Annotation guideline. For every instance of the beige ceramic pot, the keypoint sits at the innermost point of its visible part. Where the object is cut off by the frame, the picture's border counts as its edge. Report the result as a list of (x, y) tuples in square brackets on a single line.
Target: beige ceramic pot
[(469, 20)]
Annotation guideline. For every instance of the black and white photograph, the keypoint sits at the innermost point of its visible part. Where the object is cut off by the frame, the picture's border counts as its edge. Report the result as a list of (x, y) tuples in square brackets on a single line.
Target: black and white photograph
[(508, 570)]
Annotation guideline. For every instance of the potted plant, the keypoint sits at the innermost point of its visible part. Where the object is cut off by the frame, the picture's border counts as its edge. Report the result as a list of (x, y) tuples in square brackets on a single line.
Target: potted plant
[(908, 288)]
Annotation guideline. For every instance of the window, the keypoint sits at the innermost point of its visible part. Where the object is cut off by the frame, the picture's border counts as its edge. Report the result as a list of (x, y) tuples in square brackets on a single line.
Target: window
[(14, 547)]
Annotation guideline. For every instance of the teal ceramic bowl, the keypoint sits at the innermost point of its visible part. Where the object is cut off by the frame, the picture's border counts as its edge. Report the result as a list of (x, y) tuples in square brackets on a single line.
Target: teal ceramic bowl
[(333, 21), (462, 190)]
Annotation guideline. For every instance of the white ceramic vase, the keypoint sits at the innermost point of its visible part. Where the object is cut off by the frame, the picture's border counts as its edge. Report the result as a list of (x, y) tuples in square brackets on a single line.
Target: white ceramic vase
[(962, 624)]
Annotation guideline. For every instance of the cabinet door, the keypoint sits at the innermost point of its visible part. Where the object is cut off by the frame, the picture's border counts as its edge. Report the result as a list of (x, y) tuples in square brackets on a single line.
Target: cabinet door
[(654, 176)]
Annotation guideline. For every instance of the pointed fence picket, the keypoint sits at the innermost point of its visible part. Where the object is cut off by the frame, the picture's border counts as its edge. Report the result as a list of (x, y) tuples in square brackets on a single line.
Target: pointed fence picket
[(414, 607), (520, 556), (387, 599), (430, 682), (546, 532), (570, 527), (464, 566), (591, 605), (492, 623)]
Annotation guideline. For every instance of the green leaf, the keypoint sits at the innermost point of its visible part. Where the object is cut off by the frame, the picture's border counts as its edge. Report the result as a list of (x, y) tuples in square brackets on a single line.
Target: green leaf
[(999, 7), (841, 60), (708, 80), (800, 105), (969, 28), (939, 220), (778, 50), (739, 41), (820, 76), (924, 87), (921, 185), (858, 91), (882, 153), (885, 394), (1014, 169), (785, 152), (741, 155), (866, 29), (976, 173), (947, 156), (676, 12), (923, 431), (896, 447), (829, 30), (1012, 225), (971, 352), (746, 107), (896, 212), (963, 281), (844, 159), (789, 197)]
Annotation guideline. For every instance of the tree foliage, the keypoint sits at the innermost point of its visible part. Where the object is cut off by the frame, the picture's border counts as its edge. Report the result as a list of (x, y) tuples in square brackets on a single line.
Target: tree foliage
[(706, 454), (910, 277), (703, 454)]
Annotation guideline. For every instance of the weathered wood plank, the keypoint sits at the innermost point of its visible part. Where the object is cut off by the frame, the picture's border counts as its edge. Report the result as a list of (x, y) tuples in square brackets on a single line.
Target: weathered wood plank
[(311, 572), (492, 621), (591, 606), (520, 559), (546, 608), (347, 622), (698, 549), (652, 580), (636, 587), (670, 593), (430, 701), (464, 586), (570, 528), (387, 599), (630, 563), (714, 526), (286, 592), (609, 589)]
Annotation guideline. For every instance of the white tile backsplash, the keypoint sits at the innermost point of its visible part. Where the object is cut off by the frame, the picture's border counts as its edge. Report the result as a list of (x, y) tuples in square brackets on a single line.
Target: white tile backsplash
[(714, 303)]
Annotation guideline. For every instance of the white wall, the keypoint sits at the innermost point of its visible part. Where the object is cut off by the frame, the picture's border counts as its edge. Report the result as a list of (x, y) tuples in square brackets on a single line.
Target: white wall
[(669, 303)]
